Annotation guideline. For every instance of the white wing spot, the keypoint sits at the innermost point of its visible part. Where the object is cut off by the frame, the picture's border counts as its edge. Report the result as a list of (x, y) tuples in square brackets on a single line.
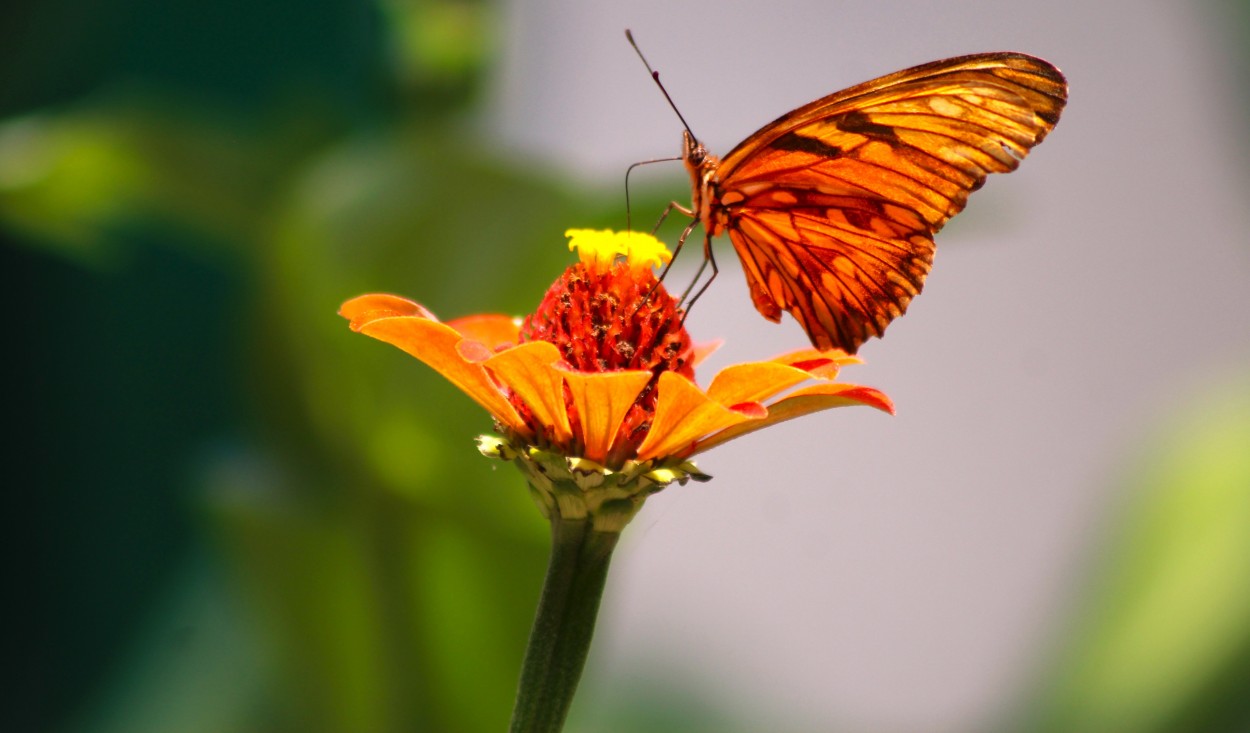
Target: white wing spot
[(945, 107)]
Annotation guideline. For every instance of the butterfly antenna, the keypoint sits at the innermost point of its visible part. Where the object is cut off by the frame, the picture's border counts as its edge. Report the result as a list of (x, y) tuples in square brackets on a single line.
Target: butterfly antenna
[(655, 75)]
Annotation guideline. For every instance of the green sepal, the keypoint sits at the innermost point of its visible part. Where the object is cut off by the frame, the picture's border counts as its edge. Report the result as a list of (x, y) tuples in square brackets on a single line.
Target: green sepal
[(574, 488)]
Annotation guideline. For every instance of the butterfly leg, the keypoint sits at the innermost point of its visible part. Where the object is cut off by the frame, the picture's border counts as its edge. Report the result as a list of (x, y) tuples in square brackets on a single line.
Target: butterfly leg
[(629, 227), (708, 259), (672, 205), (676, 251), (681, 241), (697, 274)]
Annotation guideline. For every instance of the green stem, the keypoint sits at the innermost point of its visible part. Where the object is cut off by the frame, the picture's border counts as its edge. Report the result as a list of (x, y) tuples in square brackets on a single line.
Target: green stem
[(563, 626)]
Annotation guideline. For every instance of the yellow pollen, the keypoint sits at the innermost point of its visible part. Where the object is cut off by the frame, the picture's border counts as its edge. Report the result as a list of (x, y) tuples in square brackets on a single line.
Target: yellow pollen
[(600, 248)]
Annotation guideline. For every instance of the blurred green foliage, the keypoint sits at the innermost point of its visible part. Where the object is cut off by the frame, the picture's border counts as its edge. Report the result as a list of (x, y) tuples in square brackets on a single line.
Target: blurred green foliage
[(237, 515), (180, 239), (1163, 641)]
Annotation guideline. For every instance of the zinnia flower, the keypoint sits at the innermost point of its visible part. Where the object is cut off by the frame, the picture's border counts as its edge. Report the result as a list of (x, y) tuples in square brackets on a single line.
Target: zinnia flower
[(595, 399), (594, 393)]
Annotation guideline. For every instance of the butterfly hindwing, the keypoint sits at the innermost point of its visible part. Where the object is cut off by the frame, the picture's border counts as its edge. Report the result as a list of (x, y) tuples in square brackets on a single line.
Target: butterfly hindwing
[(842, 282)]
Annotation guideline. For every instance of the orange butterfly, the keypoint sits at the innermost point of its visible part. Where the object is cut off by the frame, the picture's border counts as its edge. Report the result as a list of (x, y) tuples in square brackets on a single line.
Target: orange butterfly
[(832, 208)]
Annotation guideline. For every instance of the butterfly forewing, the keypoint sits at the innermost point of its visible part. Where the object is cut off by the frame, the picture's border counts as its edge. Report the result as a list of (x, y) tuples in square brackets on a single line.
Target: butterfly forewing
[(833, 207)]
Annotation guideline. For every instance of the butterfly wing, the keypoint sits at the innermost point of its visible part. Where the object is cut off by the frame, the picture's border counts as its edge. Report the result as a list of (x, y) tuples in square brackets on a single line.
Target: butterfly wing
[(833, 207)]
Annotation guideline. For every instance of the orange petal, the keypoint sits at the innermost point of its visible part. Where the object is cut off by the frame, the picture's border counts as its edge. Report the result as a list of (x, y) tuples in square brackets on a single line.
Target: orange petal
[(823, 364), (602, 401), (804, 402), (703, 350), (683, 414), (529, 370), (753, 382), (436, 344), (757, 381), (491, 329), (474, 351), (858, 394), (365, 308)]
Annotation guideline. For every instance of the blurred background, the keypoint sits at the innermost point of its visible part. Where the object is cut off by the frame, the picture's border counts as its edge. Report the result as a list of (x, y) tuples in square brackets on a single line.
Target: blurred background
[(228, 513)]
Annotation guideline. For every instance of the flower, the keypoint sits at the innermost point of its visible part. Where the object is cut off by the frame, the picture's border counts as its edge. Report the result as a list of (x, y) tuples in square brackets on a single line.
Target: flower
[(595, 399), (594, 392)]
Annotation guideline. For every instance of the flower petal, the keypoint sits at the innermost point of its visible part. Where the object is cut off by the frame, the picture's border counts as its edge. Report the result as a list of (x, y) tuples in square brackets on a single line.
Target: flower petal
[(704, 350), (803, 402), (753, 382), (855, 394), (757, 381), (602, 400), (823, 364), (435, 344), (365, 308), (683, 414), (529, 371), (492, 329)]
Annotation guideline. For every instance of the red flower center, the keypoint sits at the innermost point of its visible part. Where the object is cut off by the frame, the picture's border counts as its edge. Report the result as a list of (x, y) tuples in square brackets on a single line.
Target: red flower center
[(611, 319), (603, 320)]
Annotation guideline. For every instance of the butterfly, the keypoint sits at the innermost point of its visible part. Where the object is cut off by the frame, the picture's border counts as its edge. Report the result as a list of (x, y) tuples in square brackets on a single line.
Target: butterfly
[(832, 207)]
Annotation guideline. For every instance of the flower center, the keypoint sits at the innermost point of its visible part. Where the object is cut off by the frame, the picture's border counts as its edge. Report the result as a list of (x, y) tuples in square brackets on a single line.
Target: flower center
[(607, 313), (612, 318)]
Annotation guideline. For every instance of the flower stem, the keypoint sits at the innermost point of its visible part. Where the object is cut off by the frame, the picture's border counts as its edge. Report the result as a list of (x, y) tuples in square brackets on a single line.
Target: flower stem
[(563, 625)]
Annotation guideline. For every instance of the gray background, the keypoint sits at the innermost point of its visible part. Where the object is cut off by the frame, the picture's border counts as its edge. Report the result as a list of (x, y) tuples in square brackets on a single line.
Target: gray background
[(909, 573)]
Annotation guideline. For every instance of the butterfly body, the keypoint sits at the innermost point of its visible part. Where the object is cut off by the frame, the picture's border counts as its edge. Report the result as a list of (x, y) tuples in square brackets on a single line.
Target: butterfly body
[(832, 208), (702, 167)]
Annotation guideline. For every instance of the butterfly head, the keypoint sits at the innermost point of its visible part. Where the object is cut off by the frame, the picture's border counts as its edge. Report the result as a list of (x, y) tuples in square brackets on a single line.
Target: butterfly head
[(693, 154)]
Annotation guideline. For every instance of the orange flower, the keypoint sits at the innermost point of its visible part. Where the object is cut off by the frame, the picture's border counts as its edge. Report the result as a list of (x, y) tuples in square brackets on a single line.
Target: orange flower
[(597, 386)]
